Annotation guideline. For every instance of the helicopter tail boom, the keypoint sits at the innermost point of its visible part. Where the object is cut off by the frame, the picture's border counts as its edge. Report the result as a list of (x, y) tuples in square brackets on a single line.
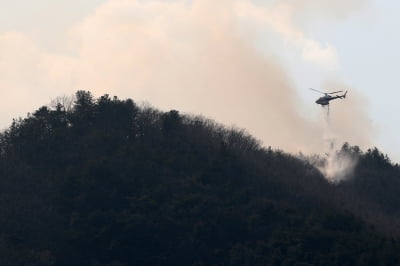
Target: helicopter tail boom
[(342, 96)]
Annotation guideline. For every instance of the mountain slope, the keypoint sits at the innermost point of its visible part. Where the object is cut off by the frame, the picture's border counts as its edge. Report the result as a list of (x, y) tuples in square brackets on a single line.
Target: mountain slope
[(111, 183)]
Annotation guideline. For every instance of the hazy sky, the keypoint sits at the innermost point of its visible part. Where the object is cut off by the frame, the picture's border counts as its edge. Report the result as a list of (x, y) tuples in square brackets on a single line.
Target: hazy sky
[(248, 63)]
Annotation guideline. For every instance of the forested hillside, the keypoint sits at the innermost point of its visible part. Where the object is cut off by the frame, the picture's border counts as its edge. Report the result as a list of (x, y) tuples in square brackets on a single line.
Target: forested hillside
[(106, 182)]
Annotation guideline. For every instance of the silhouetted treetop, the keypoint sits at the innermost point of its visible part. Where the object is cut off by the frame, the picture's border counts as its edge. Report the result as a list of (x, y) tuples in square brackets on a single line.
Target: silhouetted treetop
[(104, 181)]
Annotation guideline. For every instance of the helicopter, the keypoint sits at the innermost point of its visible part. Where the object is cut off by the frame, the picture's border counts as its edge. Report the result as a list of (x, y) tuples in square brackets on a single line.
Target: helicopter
[(324, 100)]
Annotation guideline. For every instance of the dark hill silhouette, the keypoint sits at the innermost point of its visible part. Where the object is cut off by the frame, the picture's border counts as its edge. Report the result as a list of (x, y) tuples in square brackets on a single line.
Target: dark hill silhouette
[(109, 183)]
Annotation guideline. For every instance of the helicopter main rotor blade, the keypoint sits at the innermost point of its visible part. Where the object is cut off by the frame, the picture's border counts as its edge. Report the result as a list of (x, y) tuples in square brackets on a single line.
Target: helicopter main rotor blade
[(334, 92), (317, 91)]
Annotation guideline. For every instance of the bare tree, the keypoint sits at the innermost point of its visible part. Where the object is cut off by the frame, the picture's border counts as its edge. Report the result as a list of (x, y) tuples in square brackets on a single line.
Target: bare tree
[(65, 101)]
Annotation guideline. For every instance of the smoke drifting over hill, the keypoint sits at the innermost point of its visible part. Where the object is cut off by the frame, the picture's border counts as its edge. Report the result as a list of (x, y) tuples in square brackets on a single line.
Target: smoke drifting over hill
[(195, 57)]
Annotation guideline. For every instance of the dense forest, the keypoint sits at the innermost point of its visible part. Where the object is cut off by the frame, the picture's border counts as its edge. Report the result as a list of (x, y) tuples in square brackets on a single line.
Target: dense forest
[(108, 182)]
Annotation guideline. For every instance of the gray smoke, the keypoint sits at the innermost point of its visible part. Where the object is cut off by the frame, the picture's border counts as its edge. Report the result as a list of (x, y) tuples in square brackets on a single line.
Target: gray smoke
[(196, 56)]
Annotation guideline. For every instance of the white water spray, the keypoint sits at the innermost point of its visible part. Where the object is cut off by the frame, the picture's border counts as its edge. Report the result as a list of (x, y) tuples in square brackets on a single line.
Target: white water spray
[(337, 164)]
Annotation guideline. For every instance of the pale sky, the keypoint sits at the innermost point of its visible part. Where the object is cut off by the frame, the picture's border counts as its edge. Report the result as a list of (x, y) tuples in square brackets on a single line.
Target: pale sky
[(146, 50)]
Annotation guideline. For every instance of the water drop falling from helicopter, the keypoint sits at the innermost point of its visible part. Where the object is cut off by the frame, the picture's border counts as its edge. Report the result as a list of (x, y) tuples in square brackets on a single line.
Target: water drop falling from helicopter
[(336, 165)]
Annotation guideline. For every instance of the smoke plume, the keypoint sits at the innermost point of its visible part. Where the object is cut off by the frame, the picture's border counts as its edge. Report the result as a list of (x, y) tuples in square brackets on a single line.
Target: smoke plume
[(196, 56)]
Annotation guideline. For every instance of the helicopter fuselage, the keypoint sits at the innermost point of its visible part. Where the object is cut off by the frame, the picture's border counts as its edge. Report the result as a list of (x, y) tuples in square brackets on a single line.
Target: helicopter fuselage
[(324, 100)]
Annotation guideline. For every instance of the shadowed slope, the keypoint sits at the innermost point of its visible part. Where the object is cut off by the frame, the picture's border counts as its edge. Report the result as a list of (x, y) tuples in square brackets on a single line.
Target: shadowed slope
[(111, 183)]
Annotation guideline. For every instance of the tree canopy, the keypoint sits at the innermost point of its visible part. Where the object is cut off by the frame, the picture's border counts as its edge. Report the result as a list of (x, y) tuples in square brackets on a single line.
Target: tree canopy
[(107, 182)]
